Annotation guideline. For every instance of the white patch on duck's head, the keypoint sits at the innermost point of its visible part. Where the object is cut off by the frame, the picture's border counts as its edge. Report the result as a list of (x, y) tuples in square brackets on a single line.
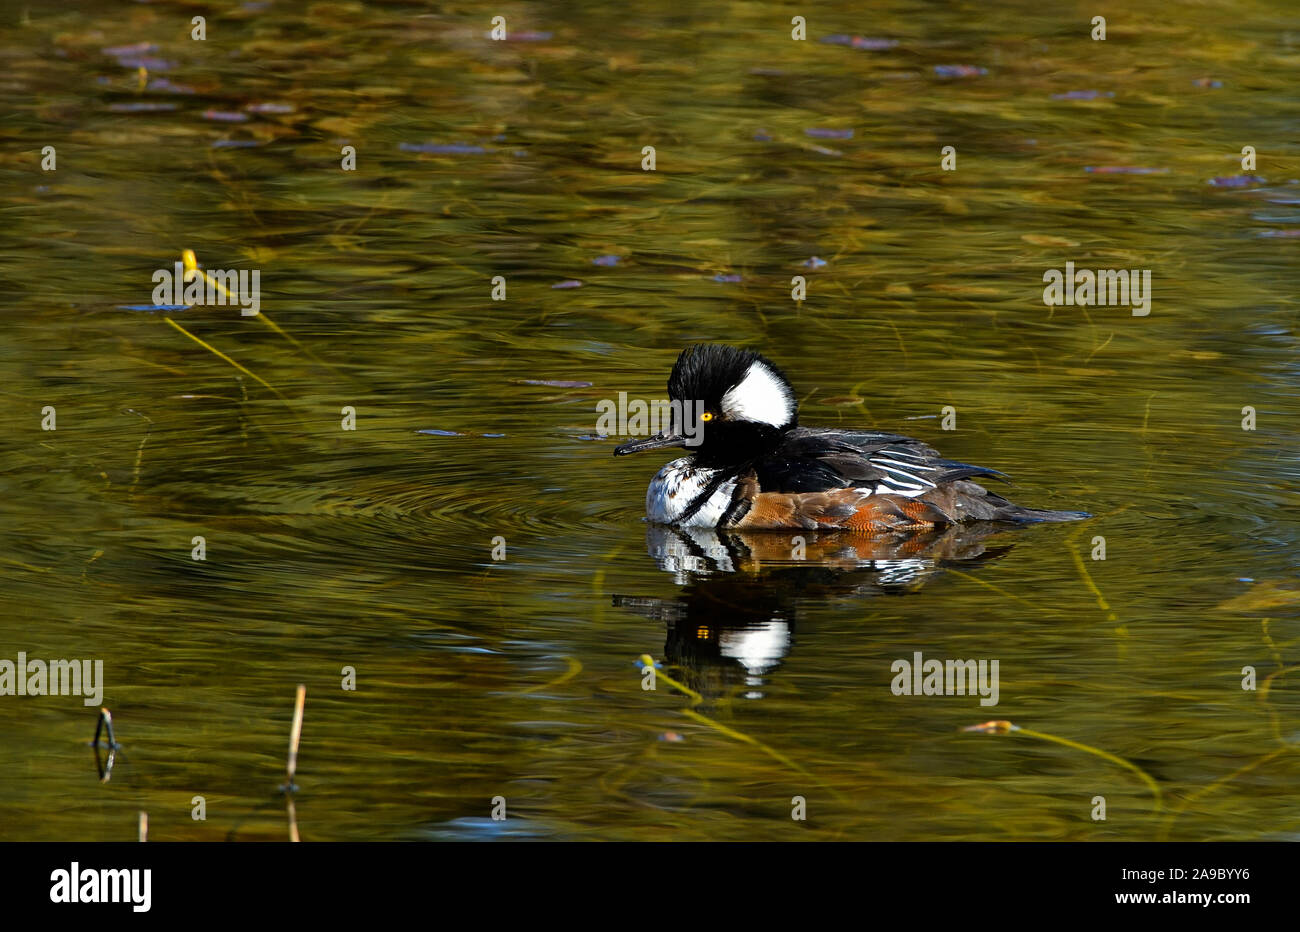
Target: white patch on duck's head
[(762, 395)]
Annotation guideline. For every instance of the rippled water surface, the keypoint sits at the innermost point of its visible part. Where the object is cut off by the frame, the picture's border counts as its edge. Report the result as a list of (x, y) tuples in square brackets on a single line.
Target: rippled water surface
[(476, 419)]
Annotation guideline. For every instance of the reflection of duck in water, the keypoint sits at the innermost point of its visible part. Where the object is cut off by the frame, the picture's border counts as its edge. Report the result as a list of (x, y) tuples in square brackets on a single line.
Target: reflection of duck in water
[(752, 467), (735, 619)]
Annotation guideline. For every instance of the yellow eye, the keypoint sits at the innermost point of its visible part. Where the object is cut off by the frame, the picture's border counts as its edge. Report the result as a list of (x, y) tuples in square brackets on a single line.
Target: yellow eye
[(706, 416)]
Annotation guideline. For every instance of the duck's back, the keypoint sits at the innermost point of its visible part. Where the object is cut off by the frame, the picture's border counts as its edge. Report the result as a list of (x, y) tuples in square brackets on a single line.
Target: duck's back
[(866, 480)]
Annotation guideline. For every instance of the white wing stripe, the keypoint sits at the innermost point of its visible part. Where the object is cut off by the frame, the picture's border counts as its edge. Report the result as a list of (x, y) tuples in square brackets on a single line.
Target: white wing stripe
[(875, 459), (906, 477)]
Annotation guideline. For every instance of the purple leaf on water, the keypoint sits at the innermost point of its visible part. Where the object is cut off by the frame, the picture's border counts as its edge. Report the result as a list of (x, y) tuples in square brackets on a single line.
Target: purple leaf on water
[(147, 62), (1235, 181), (1124, 170), (142, 106), (162, 84), (138, 48), (860, 42), (438, 148), (1083, 95), (526, 36)]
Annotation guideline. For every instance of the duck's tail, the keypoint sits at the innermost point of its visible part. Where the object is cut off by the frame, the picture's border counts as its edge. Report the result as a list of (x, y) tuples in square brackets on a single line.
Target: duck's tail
[(1009, 511), (1031, 515)]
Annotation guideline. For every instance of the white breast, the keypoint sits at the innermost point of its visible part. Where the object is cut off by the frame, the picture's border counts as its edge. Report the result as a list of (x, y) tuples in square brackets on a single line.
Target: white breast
[(676, 486)]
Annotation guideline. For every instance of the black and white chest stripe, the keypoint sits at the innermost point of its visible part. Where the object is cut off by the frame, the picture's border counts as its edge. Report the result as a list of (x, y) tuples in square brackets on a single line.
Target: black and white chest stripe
[(689, 496)]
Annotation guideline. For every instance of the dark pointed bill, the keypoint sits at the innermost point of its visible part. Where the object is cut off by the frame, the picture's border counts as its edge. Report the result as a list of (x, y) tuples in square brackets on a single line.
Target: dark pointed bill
[(660, 440)]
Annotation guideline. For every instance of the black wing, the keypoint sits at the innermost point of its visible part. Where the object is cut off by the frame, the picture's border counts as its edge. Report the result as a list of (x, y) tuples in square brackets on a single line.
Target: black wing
[(818, 459)]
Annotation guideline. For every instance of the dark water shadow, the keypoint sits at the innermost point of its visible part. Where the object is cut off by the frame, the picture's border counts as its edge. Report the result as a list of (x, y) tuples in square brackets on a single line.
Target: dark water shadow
[(734, 621)]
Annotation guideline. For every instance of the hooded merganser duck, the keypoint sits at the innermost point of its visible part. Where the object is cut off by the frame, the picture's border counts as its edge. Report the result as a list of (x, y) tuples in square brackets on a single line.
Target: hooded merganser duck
[(753, 467)]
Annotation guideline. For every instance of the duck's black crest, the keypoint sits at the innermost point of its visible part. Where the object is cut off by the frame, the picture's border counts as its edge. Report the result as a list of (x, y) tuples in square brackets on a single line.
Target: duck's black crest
[(705, 371)]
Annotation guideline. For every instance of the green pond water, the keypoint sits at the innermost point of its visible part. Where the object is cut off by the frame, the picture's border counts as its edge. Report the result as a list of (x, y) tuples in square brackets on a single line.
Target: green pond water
[(372, 548)]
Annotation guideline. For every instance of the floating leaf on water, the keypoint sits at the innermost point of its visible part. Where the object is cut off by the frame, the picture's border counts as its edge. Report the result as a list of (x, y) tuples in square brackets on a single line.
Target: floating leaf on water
[(860, 42), (146, 62), (1082, 95), (1124, 170), (607, 260), (143, 106), (959, 71), (568, 283), (1263, 596), (138, 48), (170, 87), (439, 148), (1040, 239), (818, 132), (524, 35), (1235, 181)]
